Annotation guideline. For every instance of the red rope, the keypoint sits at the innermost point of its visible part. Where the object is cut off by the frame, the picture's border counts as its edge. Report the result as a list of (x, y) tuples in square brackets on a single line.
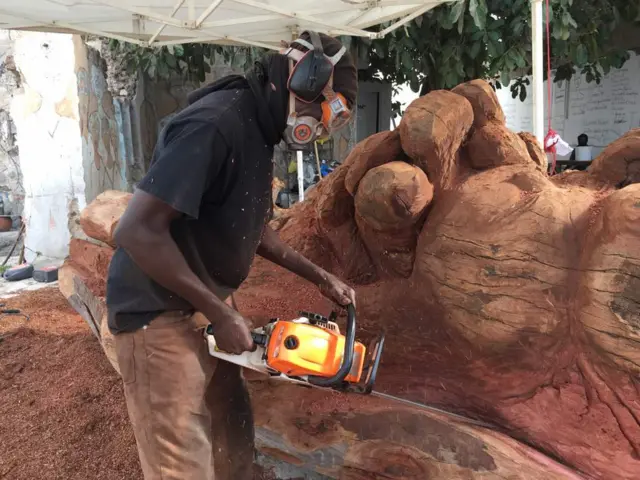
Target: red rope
[(550, 133)]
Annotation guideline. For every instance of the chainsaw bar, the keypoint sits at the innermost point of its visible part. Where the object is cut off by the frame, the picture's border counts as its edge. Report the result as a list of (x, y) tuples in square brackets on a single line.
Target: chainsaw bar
[(429, 408)]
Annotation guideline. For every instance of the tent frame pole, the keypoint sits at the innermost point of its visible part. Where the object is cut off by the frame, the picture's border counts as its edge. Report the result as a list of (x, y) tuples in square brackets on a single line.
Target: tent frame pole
[(537, 49)]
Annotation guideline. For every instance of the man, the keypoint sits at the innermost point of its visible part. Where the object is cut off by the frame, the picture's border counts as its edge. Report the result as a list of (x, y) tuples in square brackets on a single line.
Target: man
[(187, 241)]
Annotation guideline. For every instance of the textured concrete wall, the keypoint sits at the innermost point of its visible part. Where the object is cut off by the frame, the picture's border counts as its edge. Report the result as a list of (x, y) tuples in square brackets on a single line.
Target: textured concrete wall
[(46, 115), (11, 185)]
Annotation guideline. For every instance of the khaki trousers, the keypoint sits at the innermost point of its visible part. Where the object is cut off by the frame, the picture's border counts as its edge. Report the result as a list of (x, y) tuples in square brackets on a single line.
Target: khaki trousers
[(191, 414)]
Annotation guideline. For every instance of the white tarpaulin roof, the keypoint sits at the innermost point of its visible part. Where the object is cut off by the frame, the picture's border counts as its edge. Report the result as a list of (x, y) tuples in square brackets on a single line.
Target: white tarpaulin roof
[(262, 23)]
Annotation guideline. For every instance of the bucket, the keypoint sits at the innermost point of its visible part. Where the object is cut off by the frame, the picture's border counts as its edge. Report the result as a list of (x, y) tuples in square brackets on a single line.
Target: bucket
[(6, 222)]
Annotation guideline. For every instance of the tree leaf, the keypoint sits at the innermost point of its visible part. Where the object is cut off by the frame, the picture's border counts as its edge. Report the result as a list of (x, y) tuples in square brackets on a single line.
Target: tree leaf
[(457, 10), (178, 50), (556, 30), (170, 60), (491, 49), (414, 84), (568, 20), (520, 59), (523, 93), (504, 78), (470, 71), (582, 56), (508, 62), (518, 26), (406, 59), (477, 35), (451, 79), (478, 11), (163, 70), (461, 24), (475, 50)]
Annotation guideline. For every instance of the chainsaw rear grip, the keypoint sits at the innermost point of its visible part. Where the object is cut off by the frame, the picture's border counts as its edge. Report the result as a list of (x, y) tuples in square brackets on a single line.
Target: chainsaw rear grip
[(337, 380)]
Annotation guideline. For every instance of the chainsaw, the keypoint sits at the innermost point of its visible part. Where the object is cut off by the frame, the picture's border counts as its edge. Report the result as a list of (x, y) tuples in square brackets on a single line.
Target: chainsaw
[(310, 350)]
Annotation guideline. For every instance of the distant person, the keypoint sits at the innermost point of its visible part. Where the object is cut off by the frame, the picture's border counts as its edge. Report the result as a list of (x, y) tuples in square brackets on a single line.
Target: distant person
[(582, 153)]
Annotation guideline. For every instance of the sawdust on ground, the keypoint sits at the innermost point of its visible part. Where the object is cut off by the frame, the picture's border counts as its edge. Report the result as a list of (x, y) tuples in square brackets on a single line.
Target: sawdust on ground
[(62, 409)]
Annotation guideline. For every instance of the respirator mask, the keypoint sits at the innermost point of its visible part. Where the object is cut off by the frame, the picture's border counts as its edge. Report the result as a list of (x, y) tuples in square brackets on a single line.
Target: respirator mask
[(311, 79)]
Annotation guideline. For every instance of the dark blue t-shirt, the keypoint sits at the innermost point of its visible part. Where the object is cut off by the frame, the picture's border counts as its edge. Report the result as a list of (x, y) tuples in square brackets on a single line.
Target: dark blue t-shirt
[(212, 164)]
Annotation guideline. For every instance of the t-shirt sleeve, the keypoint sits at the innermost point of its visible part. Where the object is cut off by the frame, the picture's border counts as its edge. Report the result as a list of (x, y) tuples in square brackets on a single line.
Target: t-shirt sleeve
[(187, 160)]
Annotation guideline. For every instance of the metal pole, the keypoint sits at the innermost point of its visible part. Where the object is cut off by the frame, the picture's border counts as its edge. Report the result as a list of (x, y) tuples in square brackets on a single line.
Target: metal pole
[(299, 157), (538, 70), (300, 176), (315, 147)]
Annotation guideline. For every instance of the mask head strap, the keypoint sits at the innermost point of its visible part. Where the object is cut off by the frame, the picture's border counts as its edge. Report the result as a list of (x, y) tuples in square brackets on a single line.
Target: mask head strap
[(313, 69)]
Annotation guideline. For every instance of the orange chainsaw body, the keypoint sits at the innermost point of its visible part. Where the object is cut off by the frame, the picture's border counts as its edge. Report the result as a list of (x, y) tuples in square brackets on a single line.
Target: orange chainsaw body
[(299, 349)]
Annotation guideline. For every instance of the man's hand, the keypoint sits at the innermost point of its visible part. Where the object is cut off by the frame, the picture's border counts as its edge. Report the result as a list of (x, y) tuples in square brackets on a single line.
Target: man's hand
[(338, 291), (276, 251), (233, 335)]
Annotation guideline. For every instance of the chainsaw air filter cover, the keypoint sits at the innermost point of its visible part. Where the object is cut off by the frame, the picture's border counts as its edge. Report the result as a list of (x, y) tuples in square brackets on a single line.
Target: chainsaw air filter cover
[(300, 349)]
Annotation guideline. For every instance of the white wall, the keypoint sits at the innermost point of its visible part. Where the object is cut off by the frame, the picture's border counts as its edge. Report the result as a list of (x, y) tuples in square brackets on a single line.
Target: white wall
[(405, 96), (604, 112), (48, 134)]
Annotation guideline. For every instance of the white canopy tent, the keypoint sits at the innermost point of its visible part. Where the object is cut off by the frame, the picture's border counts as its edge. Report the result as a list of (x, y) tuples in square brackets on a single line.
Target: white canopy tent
[(260, 23)]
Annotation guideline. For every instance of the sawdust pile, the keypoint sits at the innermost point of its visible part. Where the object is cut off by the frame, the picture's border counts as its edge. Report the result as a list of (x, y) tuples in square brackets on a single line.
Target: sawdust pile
[(62, 406), (505, 293), (61, 403)]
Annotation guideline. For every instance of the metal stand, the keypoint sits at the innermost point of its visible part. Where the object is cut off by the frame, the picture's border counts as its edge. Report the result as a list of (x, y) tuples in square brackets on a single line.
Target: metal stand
[(300, 176)]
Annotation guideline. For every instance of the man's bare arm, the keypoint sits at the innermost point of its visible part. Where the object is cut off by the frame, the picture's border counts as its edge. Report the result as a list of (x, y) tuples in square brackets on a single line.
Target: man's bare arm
[(144, 233), (278, 252)]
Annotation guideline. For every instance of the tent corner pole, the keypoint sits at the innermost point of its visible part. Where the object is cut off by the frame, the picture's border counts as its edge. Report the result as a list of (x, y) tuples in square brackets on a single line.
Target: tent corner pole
[(537, 62)]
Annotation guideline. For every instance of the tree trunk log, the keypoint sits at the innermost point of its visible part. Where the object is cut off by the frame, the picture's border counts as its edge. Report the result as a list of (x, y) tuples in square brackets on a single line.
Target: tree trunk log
[(353, 437), (100, 218), (74, 284)]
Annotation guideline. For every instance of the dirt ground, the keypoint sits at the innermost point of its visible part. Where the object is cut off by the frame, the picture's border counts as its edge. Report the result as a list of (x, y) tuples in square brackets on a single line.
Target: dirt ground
[(62, 409)]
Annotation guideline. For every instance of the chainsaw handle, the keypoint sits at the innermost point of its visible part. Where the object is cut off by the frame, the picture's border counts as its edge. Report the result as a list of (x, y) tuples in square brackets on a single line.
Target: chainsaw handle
[(347, 357)]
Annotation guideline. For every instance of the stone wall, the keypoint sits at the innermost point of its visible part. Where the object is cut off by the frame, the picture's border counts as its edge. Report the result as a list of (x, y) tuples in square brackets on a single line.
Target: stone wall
[(108, 154), (158, 100)]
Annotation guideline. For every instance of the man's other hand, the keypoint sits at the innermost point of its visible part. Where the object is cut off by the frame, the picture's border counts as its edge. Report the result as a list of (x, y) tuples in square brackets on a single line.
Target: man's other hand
[(338, 291), (233, 335)]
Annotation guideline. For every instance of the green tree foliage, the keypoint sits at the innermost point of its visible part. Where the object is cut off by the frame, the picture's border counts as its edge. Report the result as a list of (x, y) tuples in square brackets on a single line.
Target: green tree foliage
[(449, 45), (491, 39), (192, 60)]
